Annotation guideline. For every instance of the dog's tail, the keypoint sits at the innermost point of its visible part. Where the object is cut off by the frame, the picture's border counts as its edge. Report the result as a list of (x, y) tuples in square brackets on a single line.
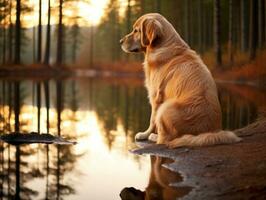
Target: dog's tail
[(205, 139)]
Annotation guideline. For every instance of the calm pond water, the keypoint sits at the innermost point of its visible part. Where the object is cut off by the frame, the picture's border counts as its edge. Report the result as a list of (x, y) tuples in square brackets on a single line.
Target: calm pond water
[(103, 117)]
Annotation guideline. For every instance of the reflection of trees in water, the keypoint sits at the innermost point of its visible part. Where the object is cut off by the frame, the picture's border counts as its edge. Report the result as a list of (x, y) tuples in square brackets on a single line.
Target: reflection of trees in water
[(63, 158), (17, 171), (123, 104), (60, 165), (236, 110), (16, 175), (38, 91), (114, 104)]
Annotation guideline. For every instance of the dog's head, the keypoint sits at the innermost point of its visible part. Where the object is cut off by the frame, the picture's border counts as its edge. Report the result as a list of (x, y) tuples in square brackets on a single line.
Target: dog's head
[(147, 32)]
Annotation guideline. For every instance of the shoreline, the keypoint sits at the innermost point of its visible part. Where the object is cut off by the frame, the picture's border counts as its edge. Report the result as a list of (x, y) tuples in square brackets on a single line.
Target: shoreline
[(235, 171), (47, 72)]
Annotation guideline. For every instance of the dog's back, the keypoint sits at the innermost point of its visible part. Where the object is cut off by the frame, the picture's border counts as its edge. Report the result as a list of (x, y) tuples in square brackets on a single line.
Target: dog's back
[(188, 83)]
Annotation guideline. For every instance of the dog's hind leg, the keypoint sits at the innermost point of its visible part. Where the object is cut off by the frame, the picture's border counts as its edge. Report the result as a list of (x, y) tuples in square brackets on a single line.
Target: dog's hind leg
[(166, 121)]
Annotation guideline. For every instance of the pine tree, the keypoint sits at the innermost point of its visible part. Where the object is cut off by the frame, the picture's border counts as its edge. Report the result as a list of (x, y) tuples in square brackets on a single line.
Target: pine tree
[(18, 32), (217, 32)]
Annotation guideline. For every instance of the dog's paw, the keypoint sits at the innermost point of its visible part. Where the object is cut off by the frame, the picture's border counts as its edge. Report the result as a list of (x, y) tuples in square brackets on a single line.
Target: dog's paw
[(153, 137), (141, 136)]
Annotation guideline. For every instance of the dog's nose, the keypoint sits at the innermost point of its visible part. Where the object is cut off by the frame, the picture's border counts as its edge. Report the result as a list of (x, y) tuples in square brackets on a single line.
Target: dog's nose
[(121, 41)]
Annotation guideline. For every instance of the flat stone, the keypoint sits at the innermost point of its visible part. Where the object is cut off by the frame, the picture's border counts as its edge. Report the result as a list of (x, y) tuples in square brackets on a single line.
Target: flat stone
[(234, 171), (33, 137)]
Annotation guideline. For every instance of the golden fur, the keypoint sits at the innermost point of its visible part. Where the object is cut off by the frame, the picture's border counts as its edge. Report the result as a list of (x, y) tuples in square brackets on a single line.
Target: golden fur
[(182, 92)]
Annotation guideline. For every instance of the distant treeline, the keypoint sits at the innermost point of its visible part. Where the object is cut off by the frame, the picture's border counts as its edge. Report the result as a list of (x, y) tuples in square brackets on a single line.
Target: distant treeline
[(223, 29)]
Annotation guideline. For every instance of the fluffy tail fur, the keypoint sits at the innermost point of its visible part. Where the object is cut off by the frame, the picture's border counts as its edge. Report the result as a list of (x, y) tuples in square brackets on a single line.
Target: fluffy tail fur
[(205, 139)]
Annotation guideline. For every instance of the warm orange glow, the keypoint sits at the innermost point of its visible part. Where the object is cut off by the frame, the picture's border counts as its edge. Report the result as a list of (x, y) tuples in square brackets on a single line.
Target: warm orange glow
[(90, 12), (84, 124), (98, 161)]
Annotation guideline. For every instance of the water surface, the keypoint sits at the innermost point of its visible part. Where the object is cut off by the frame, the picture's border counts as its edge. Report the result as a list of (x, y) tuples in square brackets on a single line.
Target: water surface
[(103, 117)]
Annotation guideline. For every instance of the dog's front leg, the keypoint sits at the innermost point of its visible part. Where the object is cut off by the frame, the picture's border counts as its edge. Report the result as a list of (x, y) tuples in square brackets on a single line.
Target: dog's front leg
[(156, 101), (144, 135)]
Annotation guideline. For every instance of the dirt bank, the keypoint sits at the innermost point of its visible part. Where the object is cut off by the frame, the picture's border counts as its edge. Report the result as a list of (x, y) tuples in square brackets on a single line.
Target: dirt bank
[(235, 171)]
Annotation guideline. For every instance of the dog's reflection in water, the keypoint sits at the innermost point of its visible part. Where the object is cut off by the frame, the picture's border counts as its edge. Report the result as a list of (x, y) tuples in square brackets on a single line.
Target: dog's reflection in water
[(159, 187)]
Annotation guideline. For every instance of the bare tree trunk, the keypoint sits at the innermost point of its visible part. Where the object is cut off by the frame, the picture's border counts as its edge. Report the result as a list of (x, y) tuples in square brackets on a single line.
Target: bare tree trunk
[(200, 26), (217, 32), (1, 33), (186, 21), (158, 6), (74, 44), (39, 53), (60, 34), (264, 24), (91, 46), (34, 44), (204, 29), (253, 28), (128, 22), (4, 30), (191, 26), (18, 39), (128, 16), (261, 23), (142, 7), (210, 36), (244, 25), (10, 36), (48, 36), (230, 36), (236, 29), (4, 40)]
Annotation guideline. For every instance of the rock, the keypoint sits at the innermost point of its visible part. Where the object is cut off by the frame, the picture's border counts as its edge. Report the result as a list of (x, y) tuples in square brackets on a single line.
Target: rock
[(33, 137), (234, 171)]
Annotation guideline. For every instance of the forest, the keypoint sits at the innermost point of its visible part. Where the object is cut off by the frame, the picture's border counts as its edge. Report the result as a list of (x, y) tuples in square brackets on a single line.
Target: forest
[(63, 72), (225, 33)]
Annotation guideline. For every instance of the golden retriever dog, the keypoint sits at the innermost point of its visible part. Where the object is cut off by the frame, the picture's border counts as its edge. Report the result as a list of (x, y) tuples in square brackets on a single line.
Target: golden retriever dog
[(182, 93)]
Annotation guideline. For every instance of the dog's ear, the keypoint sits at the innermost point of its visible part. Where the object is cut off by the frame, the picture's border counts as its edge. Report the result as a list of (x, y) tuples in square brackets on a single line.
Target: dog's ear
[(151, 29)]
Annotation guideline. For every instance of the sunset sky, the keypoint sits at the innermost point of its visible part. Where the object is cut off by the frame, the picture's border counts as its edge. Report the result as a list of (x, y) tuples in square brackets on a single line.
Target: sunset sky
[(90, 12)]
